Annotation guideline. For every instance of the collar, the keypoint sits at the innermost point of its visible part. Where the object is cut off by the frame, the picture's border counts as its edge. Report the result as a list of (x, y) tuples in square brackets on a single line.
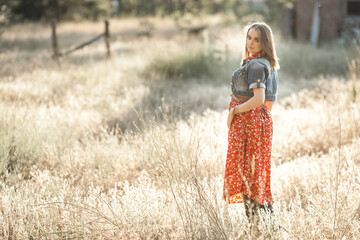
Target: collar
[(256, 55)]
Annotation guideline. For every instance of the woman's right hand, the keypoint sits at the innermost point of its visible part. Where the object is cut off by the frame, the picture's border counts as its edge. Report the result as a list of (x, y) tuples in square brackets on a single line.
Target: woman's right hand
[(230, 117)]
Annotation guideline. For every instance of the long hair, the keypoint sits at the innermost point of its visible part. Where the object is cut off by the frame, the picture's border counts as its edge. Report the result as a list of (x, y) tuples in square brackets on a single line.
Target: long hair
[(266, 42)]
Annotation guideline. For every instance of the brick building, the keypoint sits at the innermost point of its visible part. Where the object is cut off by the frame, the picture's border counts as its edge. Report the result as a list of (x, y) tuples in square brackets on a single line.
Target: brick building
[(335, 16)]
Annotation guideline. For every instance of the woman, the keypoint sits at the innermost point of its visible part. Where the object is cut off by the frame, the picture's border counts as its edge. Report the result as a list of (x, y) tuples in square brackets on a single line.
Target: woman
[(254, 89)]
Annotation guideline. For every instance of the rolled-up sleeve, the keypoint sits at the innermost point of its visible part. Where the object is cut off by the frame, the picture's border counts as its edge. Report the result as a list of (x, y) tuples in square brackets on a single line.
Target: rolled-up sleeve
[(256, 75)]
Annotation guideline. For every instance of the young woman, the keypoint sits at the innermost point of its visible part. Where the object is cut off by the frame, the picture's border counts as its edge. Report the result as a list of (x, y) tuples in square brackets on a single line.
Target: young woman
[(254, 89)]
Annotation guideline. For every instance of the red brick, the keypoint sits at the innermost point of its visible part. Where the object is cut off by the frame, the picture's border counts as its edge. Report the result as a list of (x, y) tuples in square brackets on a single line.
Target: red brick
[(332, 17)]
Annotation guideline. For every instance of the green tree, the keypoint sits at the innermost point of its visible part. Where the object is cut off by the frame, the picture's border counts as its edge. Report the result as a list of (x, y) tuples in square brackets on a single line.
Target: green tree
[(276, 9), (6, 8), (94, 9), (58, 9)]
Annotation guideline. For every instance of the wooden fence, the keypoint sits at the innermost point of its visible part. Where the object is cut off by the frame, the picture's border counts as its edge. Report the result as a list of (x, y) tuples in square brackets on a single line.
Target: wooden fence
[(56, 54)]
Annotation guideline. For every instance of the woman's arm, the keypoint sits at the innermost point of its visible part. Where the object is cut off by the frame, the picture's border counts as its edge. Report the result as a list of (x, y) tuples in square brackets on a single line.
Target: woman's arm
[(257, 100)]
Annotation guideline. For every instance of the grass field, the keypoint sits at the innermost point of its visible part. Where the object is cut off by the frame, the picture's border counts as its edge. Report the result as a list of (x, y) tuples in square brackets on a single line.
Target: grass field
[(134, 147)]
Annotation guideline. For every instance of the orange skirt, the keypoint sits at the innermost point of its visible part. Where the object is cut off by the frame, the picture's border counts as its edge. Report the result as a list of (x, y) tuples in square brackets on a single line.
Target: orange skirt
[(248, 161)]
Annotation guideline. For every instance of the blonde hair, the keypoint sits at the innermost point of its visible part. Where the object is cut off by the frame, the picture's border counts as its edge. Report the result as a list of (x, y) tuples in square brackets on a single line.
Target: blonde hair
[(266, 42)]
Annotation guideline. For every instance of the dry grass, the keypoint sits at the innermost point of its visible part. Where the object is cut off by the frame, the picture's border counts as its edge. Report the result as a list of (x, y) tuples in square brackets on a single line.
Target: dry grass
[(92, 149)]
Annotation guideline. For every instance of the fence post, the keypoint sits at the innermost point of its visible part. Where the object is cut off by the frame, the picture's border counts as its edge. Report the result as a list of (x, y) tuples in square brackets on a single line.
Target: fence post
[(54, 55), (107, 38)]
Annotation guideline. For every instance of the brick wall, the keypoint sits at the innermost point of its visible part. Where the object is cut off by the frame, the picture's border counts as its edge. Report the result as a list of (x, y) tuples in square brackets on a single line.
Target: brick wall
[(332, 17)]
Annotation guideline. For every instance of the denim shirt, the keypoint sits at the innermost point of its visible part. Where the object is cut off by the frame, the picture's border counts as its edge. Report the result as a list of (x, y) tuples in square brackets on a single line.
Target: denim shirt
[(255, 74)]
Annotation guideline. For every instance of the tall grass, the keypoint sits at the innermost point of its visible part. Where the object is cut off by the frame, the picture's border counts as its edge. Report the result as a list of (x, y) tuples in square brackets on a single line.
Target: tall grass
[(95, 149), (20, 145)]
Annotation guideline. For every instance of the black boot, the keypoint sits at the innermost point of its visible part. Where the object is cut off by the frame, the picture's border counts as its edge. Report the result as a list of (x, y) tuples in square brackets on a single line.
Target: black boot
[(254, 211), (252, 214), (252, 207)]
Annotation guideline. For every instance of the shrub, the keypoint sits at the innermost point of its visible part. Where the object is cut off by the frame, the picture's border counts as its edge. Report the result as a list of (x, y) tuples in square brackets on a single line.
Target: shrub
[(302, 60), (190, 64)]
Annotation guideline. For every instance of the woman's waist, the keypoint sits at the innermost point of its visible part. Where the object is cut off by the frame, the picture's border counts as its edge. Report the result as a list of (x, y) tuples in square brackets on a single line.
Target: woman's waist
[(241, 99), (269, 95)]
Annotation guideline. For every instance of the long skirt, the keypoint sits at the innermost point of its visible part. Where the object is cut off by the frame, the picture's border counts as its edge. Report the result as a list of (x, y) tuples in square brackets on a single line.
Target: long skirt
[(248, 161)]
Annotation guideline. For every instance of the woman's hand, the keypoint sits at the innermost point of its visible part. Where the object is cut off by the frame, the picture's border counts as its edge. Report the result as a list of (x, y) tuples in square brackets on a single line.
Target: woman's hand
[(230, 117)]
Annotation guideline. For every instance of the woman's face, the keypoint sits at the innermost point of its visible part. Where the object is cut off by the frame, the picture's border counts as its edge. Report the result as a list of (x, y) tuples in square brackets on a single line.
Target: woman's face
[(253, 41)]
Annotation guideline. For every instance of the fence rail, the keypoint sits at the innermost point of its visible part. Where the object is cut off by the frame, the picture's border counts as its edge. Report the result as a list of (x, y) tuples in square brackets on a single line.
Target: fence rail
[(56, 54)]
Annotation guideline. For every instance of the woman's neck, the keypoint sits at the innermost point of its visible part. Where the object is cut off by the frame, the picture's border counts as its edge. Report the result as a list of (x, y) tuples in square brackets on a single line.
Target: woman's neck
[(255, 55)]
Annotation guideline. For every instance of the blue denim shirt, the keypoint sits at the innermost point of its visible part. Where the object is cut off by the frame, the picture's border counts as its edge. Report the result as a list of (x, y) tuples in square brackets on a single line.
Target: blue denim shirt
[(255, 74)]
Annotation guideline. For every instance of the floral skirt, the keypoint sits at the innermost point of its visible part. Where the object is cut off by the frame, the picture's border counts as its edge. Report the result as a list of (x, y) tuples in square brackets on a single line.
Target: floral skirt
[(248, 161)]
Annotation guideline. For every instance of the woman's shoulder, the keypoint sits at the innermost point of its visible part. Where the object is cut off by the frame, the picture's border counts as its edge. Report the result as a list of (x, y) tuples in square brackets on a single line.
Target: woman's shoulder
[(259, 63)]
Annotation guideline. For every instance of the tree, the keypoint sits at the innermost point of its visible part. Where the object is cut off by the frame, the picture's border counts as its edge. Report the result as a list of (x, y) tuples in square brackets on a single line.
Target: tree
[(276, 9), (6, 7), (36, 10), (59, 9)]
